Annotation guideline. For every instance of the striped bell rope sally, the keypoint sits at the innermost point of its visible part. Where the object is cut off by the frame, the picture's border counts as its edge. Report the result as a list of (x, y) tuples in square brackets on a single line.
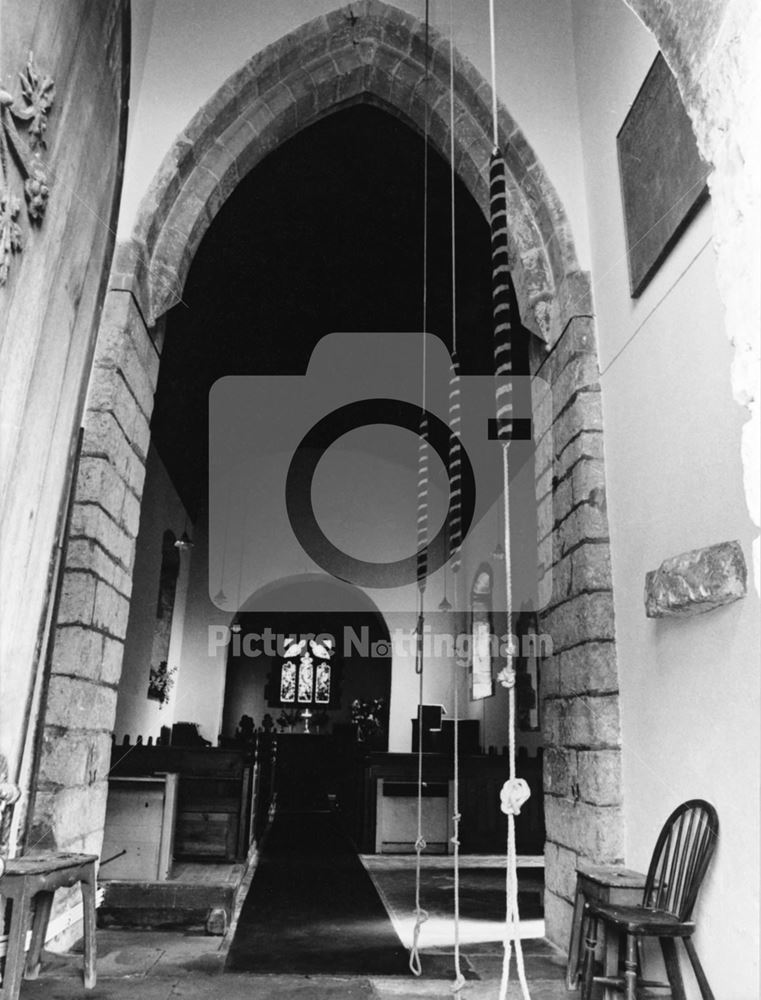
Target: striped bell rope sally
[(422, 501), (501, 298), (515, 790), (422, 531), (421, 915), (454, 526)]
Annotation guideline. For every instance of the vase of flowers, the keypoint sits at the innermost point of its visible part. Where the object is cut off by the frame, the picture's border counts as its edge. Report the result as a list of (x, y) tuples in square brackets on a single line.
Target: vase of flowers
[(161, 682), (367, 717), (288, 719)]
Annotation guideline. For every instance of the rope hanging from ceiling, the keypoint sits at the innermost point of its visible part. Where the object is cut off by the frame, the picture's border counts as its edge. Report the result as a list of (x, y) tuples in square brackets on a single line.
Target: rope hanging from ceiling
[(515, 791), (421, 915), (454, 525)]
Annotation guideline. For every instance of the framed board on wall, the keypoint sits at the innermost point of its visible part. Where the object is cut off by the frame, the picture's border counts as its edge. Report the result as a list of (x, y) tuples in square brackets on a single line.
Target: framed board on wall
[(663, 178)]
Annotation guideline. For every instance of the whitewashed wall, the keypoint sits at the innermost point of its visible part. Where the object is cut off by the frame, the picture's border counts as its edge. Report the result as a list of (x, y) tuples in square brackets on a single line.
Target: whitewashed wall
[(689, 689)]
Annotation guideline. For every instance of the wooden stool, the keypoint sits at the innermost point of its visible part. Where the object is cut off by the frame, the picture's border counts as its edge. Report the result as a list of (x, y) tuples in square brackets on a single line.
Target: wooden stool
[(31, 884), (609, 884)]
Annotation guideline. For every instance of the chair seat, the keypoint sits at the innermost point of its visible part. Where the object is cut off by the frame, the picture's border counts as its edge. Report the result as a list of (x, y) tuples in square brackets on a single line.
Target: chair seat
[(31, 883), (640, 920)]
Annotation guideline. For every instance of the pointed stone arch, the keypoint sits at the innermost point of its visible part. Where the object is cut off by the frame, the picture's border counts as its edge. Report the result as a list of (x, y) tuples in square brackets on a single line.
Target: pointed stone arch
[(321, 67), (316, 70)]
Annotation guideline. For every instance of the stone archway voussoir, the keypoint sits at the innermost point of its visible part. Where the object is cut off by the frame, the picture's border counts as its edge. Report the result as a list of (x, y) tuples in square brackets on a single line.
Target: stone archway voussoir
[(329, 63)]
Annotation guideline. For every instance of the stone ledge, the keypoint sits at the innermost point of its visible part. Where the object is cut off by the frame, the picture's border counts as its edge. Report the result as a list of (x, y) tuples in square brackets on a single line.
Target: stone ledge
[(697, 581)]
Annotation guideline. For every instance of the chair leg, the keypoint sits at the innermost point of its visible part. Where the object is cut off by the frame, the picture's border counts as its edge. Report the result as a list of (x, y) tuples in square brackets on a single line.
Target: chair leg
[(630, 969), (14, 956), (573, 966), (641, 956), (673, 972), (88, 907), (43, 903), (705, 990), (588, 971)]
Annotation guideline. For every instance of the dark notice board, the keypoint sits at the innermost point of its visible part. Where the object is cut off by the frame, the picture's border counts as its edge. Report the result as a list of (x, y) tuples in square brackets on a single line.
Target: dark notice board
[(663, 178)]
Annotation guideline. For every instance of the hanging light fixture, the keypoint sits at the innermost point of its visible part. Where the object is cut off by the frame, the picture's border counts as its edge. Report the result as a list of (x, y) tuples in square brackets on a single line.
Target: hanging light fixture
[(184, 542), (444, 604), (220, 598), (498, 552)]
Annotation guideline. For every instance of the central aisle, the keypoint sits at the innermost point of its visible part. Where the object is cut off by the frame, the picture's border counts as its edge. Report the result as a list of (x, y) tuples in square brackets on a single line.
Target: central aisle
[(312, 907)]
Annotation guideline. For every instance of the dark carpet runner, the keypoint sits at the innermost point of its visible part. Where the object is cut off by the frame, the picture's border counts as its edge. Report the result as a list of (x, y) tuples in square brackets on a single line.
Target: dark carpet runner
[(312, 907)]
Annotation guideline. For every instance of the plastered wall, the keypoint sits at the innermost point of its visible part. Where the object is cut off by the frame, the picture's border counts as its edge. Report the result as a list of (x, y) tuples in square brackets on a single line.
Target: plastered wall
[(689, 689)]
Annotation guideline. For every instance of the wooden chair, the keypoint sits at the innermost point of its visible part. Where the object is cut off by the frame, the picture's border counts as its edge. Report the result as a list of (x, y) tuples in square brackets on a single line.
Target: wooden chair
[(29, 884), (679, 863)]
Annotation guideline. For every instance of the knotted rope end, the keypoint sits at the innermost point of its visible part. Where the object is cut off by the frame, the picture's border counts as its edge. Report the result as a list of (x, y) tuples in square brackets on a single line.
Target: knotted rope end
[(506, 677), (515, 792)]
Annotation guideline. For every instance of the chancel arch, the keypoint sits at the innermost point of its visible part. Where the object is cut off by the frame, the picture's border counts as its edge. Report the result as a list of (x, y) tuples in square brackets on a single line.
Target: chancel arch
[(316, 70), (309, 644), (321, 67)]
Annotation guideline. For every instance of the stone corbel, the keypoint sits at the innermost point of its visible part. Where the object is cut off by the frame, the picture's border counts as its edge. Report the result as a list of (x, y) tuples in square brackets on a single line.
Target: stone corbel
[(30, 114), (696, 581)]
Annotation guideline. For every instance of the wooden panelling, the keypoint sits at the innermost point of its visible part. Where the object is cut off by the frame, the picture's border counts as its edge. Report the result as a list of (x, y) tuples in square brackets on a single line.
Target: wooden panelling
[(214, 796)]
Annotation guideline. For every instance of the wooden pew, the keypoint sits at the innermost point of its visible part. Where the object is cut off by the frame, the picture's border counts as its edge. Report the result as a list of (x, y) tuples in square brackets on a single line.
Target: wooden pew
[(214, 798)]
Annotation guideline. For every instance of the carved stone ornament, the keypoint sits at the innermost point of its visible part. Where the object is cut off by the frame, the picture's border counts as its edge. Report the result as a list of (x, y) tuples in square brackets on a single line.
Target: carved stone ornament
[(697, 581), (23, 124), (9, 795)]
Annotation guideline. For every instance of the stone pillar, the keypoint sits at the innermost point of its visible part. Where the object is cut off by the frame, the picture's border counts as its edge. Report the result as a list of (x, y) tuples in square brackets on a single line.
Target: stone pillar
[(92, 622), (580, 706)]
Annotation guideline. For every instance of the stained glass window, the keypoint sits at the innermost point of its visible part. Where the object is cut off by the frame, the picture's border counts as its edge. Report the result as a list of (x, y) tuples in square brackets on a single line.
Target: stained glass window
[(482, 683), (288, 682), (482, 676), (322, 684), (306, 678)]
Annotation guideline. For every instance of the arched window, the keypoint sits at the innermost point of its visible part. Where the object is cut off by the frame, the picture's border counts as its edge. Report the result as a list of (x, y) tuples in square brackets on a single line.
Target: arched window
[(482, 683), (160, 678), (305, 674)]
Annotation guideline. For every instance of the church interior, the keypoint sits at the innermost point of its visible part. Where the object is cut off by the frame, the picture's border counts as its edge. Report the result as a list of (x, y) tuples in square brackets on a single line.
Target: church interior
[(379, 511)]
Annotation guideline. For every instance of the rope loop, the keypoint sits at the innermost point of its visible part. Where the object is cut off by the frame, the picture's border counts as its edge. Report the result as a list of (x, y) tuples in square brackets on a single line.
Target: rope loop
[(458, 983), (420, 844), (416, 967)]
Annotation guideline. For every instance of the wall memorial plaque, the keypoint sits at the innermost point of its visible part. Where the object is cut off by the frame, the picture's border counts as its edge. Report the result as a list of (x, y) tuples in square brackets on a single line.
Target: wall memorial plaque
[(663, 178)]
